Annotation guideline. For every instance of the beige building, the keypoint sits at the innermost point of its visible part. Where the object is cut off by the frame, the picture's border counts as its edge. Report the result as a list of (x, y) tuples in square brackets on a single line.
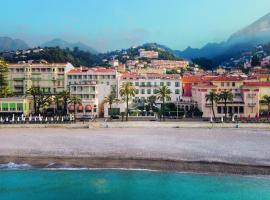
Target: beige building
[(48, 77), (245, 101)]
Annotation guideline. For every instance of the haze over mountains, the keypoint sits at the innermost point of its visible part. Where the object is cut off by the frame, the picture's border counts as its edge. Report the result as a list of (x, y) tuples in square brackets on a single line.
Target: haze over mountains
[(245, 39), (254, 34)]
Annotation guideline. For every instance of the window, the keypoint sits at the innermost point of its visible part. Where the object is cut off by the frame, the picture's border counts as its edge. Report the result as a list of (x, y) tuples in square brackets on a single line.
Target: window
[(168, 84), (219, 110), (143, 84), (228, 84), (136, 91), (136, 83), (161, 84), (177, 91), (241, 109), (142, 91), (148, 91), (149, 84), (233, 84), (222, 84), (236, 109), (177, 84)]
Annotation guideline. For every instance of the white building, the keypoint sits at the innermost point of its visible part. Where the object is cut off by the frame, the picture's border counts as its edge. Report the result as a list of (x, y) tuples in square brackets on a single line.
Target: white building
[(147, 85), (92, 85)]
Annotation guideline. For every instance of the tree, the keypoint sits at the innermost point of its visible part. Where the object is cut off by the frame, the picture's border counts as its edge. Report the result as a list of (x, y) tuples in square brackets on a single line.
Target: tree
[(40, 98), (151, 102), (65, 95), (111, 99), (266, 101), (213, 98), (255, 61), (226, 96), (4, 86), (127, 91), (75, 101), (162, 94)]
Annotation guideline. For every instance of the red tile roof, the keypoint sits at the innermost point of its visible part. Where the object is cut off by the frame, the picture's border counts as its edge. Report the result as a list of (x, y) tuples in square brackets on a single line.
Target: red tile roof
[(93, 70), (257, 84)]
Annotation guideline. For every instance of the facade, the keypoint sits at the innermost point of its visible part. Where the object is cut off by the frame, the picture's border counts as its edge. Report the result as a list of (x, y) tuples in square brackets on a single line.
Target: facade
[(92, 85), (148, 54), (147, 85), (48, 77), (14, 105), (169, 64), (245, 101)]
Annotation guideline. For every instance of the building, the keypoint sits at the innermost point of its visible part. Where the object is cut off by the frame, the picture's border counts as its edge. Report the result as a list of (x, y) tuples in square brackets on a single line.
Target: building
[(245, 101), (147, 85), (49, 78), (92, 85), (14, 105), (169, 64), (148, 54)]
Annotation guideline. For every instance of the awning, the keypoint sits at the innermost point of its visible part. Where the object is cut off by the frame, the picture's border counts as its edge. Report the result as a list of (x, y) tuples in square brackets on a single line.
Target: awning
[(80, 108), (71, 108), (88, 108)]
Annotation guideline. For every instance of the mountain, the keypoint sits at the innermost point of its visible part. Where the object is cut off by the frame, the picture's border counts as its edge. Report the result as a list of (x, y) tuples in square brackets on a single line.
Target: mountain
[(9, 44), (245, 39), (64, 44)]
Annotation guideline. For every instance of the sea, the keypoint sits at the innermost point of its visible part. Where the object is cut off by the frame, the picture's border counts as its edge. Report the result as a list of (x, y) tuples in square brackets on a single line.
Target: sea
[(24, 182)]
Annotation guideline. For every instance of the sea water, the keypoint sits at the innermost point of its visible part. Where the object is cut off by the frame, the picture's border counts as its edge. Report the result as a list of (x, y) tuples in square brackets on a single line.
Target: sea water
[(77, 184)]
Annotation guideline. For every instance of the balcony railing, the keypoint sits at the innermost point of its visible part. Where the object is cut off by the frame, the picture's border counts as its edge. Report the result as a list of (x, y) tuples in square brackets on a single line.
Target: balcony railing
[(252, 104)]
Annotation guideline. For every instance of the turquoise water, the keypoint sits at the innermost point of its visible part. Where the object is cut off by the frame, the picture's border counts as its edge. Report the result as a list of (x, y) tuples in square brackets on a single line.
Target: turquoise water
[(125, 185)]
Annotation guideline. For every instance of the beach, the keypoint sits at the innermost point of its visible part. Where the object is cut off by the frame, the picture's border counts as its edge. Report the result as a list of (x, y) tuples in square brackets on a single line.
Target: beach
[(230, 150)]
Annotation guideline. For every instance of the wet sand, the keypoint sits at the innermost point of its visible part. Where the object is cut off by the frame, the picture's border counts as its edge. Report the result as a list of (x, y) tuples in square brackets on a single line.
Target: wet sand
[(241, 151)]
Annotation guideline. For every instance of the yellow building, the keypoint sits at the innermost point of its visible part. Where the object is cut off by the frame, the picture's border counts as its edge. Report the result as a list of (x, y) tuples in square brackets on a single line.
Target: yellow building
[(49, 77)]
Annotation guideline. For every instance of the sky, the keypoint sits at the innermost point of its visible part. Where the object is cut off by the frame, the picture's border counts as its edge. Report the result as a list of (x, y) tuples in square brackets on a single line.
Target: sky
[(115, 24)]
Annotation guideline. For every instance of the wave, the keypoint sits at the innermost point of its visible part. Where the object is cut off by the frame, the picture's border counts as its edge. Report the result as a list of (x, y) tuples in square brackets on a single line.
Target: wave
[(12, 165)]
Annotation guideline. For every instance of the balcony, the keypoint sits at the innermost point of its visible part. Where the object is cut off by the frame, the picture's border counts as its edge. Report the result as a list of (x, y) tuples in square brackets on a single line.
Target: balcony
[(252, 104), (251, 95)]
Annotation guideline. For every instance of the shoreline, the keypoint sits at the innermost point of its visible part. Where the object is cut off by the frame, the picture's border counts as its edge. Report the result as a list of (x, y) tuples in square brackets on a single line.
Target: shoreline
[(139, 124), (55, 162)]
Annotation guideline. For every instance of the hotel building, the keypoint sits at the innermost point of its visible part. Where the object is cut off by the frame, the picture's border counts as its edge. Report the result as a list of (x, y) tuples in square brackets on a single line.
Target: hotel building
[(92, 85), (49, 78)]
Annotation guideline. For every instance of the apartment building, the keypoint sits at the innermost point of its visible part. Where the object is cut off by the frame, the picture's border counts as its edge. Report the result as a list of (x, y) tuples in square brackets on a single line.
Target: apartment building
[(92, 85), (169, 64), (245, 101), (48, 77), (148, 54), (147, 85)]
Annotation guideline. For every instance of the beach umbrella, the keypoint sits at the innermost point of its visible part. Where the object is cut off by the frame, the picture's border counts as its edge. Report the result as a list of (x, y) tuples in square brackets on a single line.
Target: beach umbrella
[(18, 119), (222, 120), (211, 119), (30, 118), (233, 118), (52, 119), (46, 119), (1, 119), (7, 119), (62, 118), (13, 118)]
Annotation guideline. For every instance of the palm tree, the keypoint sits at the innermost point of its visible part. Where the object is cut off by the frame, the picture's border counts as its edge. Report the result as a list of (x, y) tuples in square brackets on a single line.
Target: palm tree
[(127, 91), (34, 92), (75, 101), (213, 98), (226, 96), (151, 102), (266, 101), (162, 94), (111, 99), (65, 95)]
